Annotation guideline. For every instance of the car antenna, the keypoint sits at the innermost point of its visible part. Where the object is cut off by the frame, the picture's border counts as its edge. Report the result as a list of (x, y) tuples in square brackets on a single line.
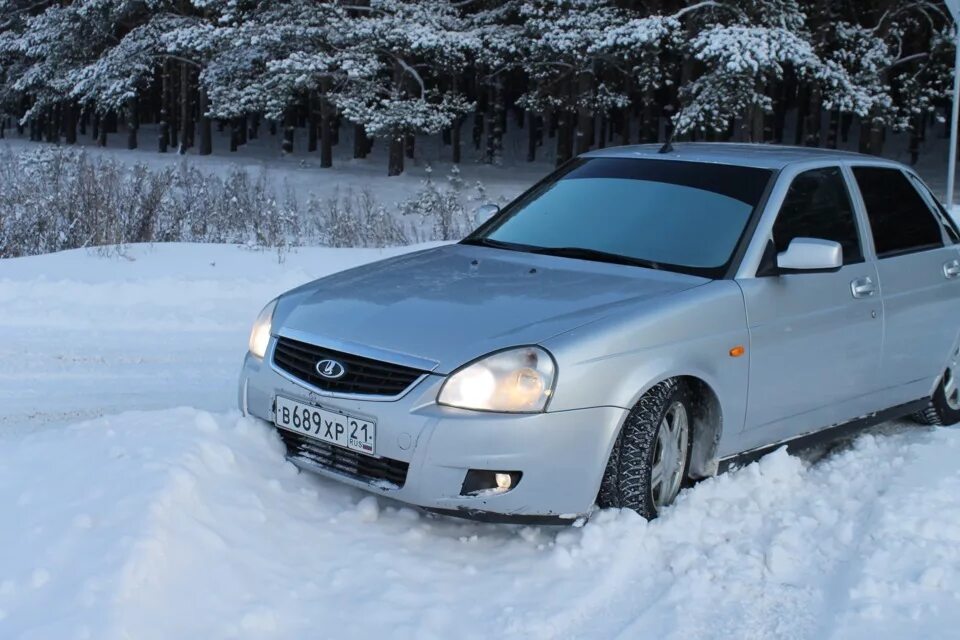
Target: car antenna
[(668, 145)]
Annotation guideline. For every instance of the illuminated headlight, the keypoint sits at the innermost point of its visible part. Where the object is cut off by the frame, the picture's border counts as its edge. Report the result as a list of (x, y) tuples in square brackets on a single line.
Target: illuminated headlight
[(260, 334), (515, 381)]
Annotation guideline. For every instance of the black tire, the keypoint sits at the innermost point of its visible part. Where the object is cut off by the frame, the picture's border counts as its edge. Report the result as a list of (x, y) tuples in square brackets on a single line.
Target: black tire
[(939, 412), (626, 482)]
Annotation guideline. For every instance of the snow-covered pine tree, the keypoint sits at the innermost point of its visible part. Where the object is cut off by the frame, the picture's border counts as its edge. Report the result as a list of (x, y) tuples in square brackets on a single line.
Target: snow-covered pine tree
[(569, 67), (269, 62), (393, 57), (50, 46), (744, 48)]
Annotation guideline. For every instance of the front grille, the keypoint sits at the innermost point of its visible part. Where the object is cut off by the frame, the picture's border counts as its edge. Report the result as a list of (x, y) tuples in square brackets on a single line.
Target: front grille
[(344, 460), (363, 376)]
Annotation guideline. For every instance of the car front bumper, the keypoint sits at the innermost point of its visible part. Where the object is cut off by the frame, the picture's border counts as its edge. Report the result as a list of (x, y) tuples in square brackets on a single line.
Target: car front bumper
[(561, 455)]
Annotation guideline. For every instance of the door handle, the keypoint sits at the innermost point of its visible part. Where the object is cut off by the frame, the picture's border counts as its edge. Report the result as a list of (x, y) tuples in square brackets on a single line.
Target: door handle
[(951, 269), (864, 287)]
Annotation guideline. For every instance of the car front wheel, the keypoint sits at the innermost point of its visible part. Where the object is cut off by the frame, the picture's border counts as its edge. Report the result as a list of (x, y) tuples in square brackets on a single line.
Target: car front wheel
[(944, 407), (649, 460)]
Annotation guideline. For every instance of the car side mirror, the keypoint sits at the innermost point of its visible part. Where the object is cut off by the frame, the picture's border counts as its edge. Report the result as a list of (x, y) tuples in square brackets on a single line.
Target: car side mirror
[(811, 255), (486, 212)]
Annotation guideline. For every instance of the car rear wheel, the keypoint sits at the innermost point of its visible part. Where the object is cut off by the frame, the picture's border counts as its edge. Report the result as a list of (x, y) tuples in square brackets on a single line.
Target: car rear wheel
[(944, 407), (649, 460)]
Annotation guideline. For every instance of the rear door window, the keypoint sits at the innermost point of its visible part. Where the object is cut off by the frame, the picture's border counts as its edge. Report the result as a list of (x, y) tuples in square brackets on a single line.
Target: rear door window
[(818, 205), (941, 214), (901, 222)]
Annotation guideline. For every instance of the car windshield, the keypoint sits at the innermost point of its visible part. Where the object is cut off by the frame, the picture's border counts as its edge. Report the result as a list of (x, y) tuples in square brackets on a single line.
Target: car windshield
[(668, 214)]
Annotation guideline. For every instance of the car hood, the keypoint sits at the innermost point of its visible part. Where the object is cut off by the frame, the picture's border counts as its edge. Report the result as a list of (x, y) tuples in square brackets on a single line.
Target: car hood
[(449, 305)]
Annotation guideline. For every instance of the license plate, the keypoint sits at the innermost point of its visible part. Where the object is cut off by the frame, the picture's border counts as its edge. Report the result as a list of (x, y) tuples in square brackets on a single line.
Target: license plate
[(340, 429)]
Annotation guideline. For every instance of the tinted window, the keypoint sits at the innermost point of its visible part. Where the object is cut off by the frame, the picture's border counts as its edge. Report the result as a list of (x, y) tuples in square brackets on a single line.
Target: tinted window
[(946, 221), (817, 205), (683, 215), (899, 218)]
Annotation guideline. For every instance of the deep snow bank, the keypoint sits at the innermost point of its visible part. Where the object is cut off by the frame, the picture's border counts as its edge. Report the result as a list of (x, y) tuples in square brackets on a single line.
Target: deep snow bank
[(186, 524)]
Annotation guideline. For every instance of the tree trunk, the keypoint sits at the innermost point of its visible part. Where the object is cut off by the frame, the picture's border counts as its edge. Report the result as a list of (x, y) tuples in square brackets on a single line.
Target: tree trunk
[(185, 124), (833, 129), (94, 128), (499, 120), (312, 122), (803, 107), (916, 131), (812, 123), (754, 124), (326, 130), (289, 118), (206, 130), (163, 134), (779, 113), (409, 142), (531, 136), (359, 141), (626, 120), (494, 122), (54, 121), (133, 123), (584, 131), (235, 124), (102, 138), (846, 121), (174, 140), (877, 138), (455, 139), (564, 142), (396, 155), (651, 119), (243, 130), (70, 123), (477, 133), (254, 129)]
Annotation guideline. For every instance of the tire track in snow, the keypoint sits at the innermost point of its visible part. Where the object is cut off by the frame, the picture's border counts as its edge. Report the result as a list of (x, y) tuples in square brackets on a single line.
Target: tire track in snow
[(766, 567), (906, 581)]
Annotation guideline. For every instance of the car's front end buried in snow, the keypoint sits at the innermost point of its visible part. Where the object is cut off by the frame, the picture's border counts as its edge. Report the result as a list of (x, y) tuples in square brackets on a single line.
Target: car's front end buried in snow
[(521, 467)]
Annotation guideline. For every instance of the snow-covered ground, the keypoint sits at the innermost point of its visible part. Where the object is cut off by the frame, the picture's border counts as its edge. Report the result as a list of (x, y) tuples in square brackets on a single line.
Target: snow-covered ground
[(138, 504)]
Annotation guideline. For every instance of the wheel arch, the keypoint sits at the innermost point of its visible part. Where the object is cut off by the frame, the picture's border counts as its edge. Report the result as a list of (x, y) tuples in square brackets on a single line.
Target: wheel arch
[(707, 426), (707, 421)]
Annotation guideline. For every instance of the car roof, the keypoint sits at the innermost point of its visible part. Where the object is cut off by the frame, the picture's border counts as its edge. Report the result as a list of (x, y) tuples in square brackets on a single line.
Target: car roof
[(767, 156)]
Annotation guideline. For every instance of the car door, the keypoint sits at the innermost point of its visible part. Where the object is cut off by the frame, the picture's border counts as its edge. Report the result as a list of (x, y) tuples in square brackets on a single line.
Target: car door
[(814, 337), (919, 270)]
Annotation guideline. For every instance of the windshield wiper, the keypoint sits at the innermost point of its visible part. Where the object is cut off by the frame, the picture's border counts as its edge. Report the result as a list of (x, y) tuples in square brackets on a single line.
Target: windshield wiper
[(564, 252), (594, 255), (496, 244)]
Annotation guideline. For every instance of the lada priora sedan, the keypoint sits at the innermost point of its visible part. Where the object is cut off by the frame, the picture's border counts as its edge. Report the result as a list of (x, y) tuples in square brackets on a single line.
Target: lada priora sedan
[(636, 321)]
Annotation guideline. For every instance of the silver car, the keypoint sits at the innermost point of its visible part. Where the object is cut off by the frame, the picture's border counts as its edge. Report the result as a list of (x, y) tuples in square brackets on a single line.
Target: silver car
[(640, 319)]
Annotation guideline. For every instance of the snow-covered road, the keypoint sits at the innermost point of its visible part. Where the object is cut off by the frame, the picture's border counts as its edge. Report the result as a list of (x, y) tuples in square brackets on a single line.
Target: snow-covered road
[(137, 504)]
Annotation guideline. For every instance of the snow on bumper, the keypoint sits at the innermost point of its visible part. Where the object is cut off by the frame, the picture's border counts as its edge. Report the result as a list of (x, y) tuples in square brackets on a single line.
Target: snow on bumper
[(562, 455)]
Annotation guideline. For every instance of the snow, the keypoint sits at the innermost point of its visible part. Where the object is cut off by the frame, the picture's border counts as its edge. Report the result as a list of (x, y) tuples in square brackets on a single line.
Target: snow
[(139, 504)]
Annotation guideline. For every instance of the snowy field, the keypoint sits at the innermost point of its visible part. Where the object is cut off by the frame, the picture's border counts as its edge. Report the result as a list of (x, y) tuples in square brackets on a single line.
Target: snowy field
[(139, 505)]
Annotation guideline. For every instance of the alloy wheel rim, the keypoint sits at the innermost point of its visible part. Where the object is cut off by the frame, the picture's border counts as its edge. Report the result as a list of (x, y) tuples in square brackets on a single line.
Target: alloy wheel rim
[(670, 455), (951, 390)]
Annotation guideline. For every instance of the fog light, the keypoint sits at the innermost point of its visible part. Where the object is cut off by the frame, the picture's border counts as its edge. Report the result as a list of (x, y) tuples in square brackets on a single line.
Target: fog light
[(479, 482)]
